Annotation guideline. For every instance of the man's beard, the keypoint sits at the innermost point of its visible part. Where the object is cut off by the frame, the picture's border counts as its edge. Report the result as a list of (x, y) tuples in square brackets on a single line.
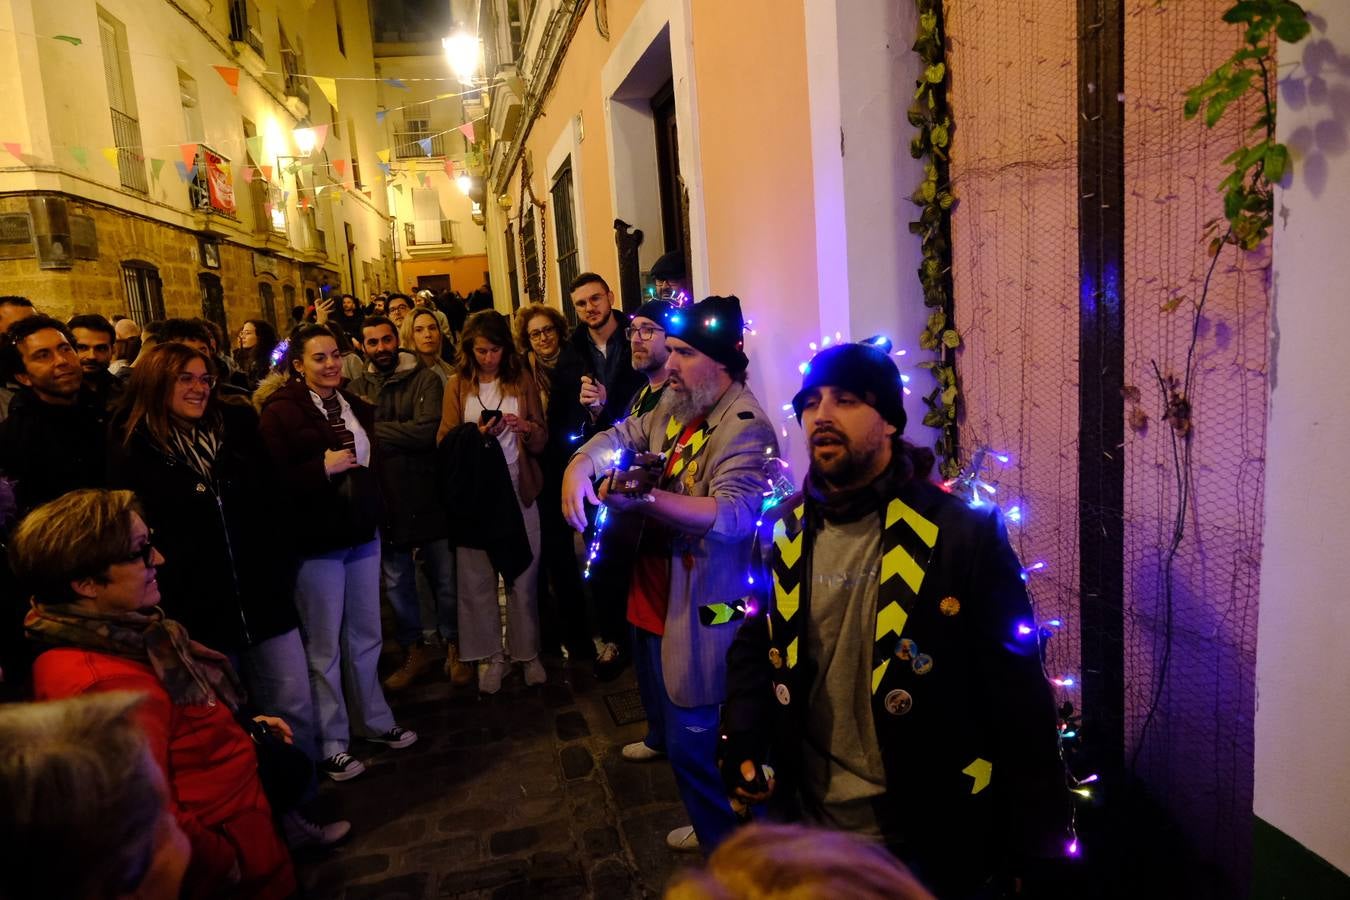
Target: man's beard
[(694, 401), (646, 363), (384, 361), (847, 466)]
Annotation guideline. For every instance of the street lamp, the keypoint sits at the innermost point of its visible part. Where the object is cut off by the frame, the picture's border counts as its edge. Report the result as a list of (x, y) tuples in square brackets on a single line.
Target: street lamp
[(463, 52), (305, 140)]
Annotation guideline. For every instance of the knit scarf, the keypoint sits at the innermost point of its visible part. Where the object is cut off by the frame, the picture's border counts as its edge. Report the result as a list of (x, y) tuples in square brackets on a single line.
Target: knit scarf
[(195, 447), (852, 504), (192, 675), (543, 372)]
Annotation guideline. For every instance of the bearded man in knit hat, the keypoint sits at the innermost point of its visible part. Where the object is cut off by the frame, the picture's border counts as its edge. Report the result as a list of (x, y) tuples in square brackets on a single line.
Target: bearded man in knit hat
[(698, 507), (890, 673)]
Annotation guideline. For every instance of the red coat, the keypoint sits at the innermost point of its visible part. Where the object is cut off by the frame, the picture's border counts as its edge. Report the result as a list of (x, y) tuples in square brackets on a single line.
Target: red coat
[(210, 766)]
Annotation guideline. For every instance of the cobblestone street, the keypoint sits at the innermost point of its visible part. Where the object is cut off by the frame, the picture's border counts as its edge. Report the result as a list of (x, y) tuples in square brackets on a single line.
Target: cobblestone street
[(519, 795)]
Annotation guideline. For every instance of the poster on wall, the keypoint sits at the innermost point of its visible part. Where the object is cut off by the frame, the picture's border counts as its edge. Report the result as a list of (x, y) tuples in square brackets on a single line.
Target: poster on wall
[(218, 181)]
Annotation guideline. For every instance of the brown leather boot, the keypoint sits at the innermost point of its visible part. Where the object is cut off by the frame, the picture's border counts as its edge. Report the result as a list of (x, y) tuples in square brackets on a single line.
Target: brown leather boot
[(419, 655), (460, 673)]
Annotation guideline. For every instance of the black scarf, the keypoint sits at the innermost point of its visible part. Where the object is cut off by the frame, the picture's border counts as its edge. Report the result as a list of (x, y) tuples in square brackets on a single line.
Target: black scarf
[(852, 504)]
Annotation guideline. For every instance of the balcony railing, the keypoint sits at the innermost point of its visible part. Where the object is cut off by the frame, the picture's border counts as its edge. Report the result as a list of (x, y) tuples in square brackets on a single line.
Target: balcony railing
[(199, 188), (408, 144), (130, 157), (246, 24), (296, 86), (428, 233)]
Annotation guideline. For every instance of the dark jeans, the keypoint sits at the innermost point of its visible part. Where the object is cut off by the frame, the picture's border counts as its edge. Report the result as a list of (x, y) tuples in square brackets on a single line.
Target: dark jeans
[(563, 619)]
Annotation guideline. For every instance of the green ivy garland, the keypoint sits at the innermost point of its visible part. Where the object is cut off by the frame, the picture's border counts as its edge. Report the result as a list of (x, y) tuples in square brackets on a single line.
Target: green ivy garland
[(930, 114)]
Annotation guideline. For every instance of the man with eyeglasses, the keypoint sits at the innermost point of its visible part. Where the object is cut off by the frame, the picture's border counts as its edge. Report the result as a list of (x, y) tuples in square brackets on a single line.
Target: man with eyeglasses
[(399, 306), (609, 379), (611, 573), (54, 439)]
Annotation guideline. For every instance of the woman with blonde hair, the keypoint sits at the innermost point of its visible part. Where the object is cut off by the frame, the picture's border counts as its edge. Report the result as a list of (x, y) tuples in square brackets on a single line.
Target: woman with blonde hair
[(493, 390), (426, 332)]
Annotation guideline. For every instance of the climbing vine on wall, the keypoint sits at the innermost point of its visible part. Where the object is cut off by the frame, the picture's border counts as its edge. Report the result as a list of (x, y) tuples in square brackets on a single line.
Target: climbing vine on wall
[(930, 114)]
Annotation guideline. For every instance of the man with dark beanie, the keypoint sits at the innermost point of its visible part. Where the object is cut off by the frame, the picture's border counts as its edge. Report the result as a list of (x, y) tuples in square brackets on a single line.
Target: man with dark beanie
[(891, 672), (698, 506), (669, 275)]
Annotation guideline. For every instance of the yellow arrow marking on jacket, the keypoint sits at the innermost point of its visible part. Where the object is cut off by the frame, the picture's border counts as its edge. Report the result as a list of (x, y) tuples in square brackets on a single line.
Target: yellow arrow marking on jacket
[(899, 562), (789, 548), (696, 442), (891, 619), (672, 429), (879, 673), (926, 530), (981, 770), (787, 601), (792, 654)]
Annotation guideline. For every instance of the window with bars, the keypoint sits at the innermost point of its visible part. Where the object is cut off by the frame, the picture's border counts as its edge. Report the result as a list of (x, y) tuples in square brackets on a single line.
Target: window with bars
[(529, 245), (145, 291), (122, 102), (564, 228), (512, 277)]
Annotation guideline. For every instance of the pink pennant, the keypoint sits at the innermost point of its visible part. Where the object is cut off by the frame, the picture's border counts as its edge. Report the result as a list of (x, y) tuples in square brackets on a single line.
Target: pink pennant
[(340, 166), (14, 148), (467, 130), (247, 172), (231, 76), (266, 172), (189, 152)]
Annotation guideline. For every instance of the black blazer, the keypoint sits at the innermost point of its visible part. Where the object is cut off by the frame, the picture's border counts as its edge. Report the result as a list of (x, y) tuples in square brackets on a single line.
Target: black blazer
[(324, 514), (228, 575)]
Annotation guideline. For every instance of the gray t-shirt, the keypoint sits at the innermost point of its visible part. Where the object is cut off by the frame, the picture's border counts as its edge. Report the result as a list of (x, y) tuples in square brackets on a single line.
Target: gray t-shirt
[(842, 761)]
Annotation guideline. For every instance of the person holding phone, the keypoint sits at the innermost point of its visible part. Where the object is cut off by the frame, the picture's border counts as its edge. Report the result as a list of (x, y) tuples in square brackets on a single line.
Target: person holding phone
[(319, 438), (492, 386)]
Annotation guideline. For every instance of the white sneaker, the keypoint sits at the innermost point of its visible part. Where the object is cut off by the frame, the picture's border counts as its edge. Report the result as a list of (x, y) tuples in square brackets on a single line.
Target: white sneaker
[(638, 751), (534, 672), (683, 840), (490, 675), (301, 832)]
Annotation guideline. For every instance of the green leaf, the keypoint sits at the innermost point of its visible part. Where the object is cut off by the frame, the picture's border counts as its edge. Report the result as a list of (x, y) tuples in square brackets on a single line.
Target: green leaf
[(935, 73), (1215, 110), (937, 321), (1276, 162), (928, 364), (928, 190), (934, 419), (945, 200), (938, 135), (1244, 11), (1173, 303), (950, 338), (1292, 30), (927, 341), (927, 22), (949, 396)]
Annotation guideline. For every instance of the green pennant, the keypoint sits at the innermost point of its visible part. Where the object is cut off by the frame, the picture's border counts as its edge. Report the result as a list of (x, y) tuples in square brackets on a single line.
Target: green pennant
[(155, 166), (81, 156)]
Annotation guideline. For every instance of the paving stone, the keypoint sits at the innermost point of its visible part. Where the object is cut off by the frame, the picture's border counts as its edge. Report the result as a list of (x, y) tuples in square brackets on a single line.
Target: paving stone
[(334, 874), (571, 725), (611, 878), (467, 817), (515, 840), (557, 695), (394, 834), (576, 761), (645, 832), (506, 871), (455, 852), (601, 841), (412, 886)]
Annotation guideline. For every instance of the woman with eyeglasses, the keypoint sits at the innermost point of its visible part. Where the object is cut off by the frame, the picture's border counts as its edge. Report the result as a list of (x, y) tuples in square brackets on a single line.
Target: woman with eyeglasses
[(493, 392), (88, 563), (318, 438), (541, 334)]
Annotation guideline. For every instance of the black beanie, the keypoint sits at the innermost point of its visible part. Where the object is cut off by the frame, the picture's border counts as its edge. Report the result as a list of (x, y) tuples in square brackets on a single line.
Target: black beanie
[(712, 326), (863, 369), (669, 267), (656, 310)]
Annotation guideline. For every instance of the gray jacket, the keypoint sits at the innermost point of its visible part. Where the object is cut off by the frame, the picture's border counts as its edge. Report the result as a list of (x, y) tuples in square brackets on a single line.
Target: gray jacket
[(407, 405), (730, 468)]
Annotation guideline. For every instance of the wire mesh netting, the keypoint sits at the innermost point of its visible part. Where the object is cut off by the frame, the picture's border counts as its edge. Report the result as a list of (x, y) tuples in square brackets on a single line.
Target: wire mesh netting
[(1015, 269)]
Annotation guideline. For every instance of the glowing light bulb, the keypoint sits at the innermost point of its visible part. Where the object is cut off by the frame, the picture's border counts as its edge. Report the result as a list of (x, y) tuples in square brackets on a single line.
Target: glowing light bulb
[(463, 52), (1014, 514), (1072, 849), (1023, 629)]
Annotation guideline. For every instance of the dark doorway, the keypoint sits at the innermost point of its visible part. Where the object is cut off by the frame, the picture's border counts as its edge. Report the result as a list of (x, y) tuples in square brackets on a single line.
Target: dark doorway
[(674, 211), (433, 283), (213, 299)]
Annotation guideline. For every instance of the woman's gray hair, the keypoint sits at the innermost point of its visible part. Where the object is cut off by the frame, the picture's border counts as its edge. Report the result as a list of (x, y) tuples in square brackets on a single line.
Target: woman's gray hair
[(80, 797)]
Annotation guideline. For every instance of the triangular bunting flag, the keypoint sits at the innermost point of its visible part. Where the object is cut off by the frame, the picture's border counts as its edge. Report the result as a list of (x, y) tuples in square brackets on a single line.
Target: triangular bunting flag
[(329, 88), (14, 148), (184, 172), (394, 82), (307, 170), (340, 167), (230, 74), (156, 166), (304, 202), (110, 154), (266, 172), (69, 39), (320, 137), (254, 145), (382, 155), (189, 152), (399, 188), (422, 178), (248, 174), (80, 156), (425, 144), (387, 169), (379, 116), (467, 130), (449, 170)]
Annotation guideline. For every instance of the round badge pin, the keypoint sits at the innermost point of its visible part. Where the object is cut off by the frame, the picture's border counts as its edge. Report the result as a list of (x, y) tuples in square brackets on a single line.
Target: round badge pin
[(922, 665), (949, 606), (899, 702), (783, 694), (905, 649), (775, 658)]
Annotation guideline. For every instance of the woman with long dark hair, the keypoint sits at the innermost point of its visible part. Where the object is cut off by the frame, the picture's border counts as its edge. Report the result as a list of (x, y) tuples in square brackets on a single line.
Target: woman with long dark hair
[(319, 439), (493, 389), (257, 339)]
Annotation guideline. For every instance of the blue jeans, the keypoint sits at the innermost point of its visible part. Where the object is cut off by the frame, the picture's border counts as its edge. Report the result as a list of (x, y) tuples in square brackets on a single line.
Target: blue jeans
[(278, 683), (690, 735), (400, 585), (337, 595)]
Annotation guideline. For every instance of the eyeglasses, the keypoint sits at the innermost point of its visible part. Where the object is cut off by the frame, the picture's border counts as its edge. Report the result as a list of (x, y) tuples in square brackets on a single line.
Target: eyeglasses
[(146, 554), (538, 333), (645, 332), (187, 380)]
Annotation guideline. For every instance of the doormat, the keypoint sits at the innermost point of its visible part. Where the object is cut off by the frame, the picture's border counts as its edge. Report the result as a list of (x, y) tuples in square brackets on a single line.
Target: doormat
[(625, 707)]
